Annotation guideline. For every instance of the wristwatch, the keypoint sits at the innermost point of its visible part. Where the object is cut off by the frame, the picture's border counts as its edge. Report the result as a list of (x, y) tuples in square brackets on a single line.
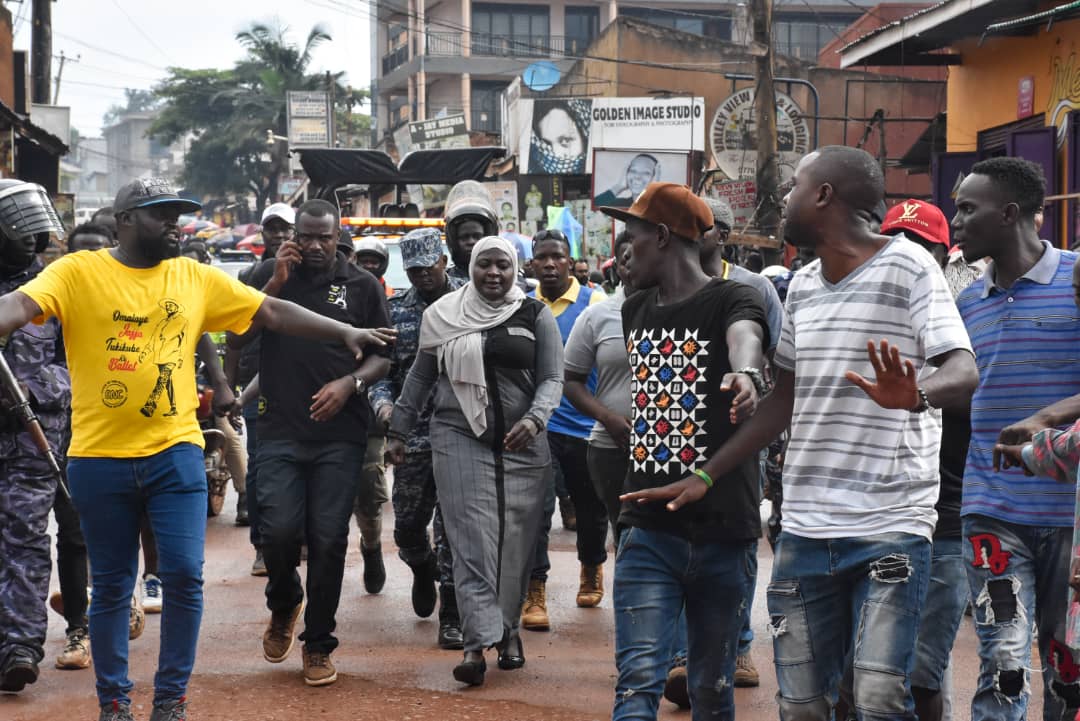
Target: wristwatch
[(361, 384), (924, 402)]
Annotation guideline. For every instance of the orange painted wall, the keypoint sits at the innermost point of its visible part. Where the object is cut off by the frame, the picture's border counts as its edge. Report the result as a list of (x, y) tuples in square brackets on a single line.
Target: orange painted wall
[(983, 90)]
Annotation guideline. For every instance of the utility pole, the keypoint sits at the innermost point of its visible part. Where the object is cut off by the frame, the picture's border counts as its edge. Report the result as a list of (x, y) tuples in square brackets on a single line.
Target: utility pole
[(768, 164), (41, 52), (60, 74)]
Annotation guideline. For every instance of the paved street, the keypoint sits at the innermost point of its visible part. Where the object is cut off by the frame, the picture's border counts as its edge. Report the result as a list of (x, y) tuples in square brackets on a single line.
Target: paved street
[(389, 667)]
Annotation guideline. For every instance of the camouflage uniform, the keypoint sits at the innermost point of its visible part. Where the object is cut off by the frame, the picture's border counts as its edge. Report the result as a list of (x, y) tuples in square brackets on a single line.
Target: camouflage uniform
[(27, 487), (413, 493)]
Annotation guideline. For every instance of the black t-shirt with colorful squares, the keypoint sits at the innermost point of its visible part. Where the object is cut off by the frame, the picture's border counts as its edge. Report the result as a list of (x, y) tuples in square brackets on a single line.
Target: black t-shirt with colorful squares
[(678, 357)]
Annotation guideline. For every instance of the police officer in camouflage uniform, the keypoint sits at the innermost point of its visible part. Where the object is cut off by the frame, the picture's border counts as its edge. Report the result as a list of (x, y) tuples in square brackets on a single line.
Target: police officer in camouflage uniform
[(413, 493), (27, 486)]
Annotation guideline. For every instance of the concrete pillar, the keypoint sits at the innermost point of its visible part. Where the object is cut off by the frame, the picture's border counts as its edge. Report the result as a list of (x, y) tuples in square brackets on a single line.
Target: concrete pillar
[(466, 32), (466, 99), (612, 12), (412, 96)]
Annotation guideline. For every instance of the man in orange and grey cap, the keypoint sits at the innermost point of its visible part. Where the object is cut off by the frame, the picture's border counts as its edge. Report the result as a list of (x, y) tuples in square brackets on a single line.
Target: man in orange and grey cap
[(696, 346)]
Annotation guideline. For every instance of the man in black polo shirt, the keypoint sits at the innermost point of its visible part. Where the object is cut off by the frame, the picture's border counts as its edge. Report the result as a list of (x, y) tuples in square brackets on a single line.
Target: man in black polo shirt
[(312, 436)]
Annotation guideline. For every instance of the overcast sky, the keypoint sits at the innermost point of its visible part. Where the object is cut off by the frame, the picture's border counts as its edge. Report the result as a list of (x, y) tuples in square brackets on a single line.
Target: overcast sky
[(130, 43)]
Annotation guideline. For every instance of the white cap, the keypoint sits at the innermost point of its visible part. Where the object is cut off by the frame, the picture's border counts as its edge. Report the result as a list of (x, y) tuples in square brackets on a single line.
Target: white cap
[(280, 210)]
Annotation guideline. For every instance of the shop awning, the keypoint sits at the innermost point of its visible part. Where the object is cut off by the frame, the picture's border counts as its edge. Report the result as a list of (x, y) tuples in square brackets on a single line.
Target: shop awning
[(919, 38), (1047, 17), (334, 167)]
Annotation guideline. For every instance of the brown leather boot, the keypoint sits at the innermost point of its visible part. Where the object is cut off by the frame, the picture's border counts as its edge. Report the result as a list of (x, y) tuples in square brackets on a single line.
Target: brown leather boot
[(591, 590), (534, 615)]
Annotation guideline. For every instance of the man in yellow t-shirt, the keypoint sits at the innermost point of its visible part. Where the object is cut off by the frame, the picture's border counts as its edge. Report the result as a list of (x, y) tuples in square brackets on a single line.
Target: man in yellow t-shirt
[(130, 315)]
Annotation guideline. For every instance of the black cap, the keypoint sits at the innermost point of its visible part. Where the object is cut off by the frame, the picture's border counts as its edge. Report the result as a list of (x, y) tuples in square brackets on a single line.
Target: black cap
[(151, 191)]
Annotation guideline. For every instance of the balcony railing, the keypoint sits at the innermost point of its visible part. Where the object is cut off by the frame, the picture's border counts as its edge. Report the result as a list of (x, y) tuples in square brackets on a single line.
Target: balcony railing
[(395, 59), (486, 45)]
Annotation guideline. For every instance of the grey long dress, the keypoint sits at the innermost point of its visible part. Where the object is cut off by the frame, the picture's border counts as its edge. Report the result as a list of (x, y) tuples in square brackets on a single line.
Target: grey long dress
[(491, 500)]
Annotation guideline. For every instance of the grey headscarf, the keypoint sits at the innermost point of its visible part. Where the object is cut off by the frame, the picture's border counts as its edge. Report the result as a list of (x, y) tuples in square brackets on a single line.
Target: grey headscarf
[(451, 329)]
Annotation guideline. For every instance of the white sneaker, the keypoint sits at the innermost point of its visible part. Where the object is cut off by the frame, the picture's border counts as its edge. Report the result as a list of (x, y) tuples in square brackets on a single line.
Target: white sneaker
[(151, 593)]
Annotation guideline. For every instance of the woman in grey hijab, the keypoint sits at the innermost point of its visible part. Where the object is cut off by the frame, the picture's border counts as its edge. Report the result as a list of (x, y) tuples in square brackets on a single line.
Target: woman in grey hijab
[(494, 359)]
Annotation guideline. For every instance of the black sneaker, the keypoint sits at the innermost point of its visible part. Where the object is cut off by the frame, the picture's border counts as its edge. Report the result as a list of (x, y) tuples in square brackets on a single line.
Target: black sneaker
[(115, 711), (374, 569), (175, 710), (20, 670)]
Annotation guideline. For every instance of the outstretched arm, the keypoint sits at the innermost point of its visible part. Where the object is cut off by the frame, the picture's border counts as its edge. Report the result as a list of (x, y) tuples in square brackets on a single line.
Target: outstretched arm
[(16, 310), (287, 318)]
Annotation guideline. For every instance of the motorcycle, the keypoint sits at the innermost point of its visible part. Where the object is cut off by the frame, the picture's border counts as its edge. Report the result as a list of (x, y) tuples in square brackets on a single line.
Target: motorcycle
[(217, 472)]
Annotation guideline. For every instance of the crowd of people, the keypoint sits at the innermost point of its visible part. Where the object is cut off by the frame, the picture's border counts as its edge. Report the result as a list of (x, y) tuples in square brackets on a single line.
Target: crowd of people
[(910, 388)]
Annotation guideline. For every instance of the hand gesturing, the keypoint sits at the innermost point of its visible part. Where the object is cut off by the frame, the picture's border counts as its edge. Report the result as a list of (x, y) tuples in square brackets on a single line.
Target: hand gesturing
[(896, 386)]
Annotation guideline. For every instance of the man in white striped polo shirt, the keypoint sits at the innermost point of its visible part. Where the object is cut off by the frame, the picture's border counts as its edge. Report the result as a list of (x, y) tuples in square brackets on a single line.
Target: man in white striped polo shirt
[(861, 477)]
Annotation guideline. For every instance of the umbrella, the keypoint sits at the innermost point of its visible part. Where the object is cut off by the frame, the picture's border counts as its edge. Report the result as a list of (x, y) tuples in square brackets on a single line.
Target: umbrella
[(254, 243), (198, 225)]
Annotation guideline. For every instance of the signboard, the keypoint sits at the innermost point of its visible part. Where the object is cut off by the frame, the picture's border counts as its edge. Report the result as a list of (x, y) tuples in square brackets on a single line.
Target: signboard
[(619, 176), (440, 133), (733, 134), (559, 136), (1025, 97), (741, 195), (310, 120)]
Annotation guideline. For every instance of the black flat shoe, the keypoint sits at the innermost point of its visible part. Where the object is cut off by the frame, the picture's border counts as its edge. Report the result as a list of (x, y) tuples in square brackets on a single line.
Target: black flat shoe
[(471, 672), (511, 654)]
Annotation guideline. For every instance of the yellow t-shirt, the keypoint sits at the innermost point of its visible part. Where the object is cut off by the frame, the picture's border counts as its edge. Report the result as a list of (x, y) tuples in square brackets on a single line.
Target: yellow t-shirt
[(130, 336)]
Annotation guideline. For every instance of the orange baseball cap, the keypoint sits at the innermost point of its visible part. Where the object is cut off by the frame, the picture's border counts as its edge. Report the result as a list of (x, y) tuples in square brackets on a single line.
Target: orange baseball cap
[(919, 217), (669, 204)]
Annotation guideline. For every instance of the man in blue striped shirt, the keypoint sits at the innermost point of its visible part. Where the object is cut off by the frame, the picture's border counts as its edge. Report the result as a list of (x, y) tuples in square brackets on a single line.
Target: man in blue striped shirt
[(1025, 331)]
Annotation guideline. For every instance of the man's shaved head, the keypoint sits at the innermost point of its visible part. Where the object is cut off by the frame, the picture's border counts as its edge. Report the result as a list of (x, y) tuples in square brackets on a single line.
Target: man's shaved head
[(854, 175)]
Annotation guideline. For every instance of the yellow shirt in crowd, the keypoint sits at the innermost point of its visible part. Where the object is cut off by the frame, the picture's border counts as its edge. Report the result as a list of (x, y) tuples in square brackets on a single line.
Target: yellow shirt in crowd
[(130, 336)]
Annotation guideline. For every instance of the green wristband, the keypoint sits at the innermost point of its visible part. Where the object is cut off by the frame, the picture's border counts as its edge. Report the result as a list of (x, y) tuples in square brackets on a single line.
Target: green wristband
[(703, 476)]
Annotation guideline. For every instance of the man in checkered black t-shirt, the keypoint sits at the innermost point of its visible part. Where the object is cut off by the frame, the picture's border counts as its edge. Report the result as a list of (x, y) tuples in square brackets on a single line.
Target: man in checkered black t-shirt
[(861, 477)]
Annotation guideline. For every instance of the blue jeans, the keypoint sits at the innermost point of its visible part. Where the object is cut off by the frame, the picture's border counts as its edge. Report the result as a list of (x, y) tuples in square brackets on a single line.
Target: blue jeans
[(110, 494), (1020, 572), (946, 599), (306, 493), (746, 634), (657, 576), (858, 598)]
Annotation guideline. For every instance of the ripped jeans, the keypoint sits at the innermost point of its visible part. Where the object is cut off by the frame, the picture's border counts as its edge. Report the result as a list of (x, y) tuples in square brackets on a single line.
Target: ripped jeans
[(834, 599), (1019, 574), (657, 576)]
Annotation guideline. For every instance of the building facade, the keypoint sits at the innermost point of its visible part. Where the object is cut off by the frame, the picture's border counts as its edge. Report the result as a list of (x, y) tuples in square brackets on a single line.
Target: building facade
[(433, 58)]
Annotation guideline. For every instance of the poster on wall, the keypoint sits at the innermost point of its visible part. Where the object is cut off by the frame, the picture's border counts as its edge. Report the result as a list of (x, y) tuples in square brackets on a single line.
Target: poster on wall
[(733, 133), (504, 198), (619, 176), (558, 136), (741, 195), (535, 194), (597, 230)]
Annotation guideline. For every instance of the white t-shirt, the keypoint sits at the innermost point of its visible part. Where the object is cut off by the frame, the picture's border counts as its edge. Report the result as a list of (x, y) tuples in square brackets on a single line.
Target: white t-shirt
[(854, 468)]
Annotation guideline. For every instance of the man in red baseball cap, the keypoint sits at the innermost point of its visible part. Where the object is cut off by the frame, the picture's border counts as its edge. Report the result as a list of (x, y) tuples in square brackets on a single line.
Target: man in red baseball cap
[(921, 222), (696, 353)]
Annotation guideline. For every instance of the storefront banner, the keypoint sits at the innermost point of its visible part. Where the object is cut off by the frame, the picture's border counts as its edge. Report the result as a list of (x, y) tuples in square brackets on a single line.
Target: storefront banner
[(558, 136), (440, 133)]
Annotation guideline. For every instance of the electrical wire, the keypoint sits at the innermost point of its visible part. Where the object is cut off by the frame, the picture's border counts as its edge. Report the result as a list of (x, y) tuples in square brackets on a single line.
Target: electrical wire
[(141, 31), (79, 41)]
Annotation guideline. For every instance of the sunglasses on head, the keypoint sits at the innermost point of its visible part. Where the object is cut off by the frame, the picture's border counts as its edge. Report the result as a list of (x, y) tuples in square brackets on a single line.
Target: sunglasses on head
[(549, 235)]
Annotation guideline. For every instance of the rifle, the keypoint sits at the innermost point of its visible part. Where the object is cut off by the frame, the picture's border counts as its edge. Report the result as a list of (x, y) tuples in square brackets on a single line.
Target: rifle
[(20, 406)]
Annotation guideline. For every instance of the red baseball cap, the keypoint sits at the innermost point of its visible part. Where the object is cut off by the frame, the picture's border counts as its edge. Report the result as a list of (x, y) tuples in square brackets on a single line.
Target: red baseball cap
[(919, 217)]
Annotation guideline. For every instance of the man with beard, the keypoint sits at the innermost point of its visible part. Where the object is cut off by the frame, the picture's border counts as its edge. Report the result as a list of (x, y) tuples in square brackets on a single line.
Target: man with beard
[(312, 437), (414, 496), (123, 463), (27, 485), (242, 366)]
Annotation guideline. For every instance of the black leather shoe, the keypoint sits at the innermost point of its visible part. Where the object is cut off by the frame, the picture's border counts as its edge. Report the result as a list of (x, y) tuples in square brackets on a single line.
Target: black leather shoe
[(511, 654), (450, 637), (374, 569), (19, 671), (424, 593), (471, 671)]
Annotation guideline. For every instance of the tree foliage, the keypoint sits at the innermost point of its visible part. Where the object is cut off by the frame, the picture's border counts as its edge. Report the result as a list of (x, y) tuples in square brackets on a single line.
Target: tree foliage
[(228, 112), (135, 101)]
